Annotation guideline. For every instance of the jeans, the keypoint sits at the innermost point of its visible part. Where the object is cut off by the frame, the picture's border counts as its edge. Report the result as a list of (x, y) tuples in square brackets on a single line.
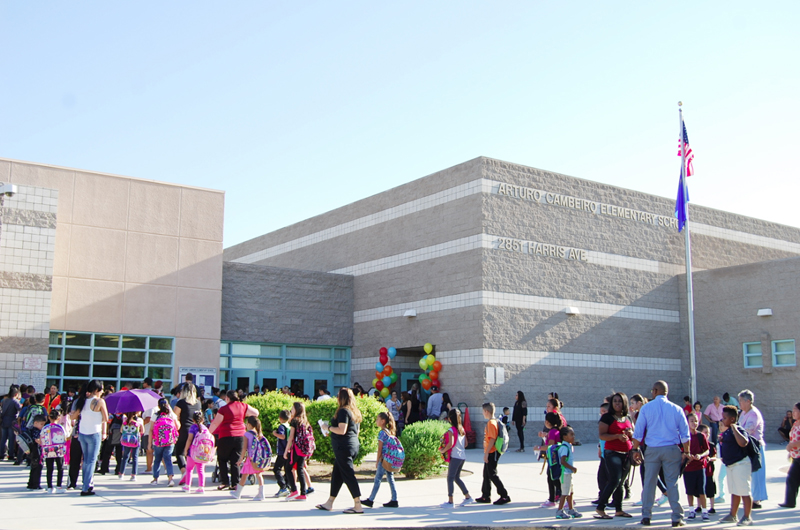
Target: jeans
[(7, 439), (618, 466), (792, 483), (59, 464), (602, 476), (191, 465), (126, 453), (90, 446), (759, 478), (453, 477), (714, 425), (162, 454), (377, 484), (669, 458), (490, 477)]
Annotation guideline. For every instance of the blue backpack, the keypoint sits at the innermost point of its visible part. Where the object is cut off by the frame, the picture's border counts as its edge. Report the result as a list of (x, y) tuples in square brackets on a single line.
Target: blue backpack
[(554, 468), (260, 452)]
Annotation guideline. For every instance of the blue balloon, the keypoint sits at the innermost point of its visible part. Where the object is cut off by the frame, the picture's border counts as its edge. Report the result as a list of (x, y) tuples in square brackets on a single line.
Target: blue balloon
[(427, 392), (392, 353), (378, 367), (387, 380)]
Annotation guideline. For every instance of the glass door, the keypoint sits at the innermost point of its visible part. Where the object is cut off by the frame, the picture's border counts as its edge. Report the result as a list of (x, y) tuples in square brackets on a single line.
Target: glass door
[(308, 383), (269, 380), (242, 380)]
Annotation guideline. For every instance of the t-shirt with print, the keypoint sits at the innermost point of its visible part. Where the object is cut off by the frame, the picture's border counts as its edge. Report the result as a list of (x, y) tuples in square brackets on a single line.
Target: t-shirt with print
[(565, 450), (794, 436), (490, 433)]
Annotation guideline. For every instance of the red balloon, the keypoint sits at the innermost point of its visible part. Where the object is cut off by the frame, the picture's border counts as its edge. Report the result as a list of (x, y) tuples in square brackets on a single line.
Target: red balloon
[(433, 375), (426, 384), (387, 371), (383, 351), (437, 366), (379, 385), (384, 359)]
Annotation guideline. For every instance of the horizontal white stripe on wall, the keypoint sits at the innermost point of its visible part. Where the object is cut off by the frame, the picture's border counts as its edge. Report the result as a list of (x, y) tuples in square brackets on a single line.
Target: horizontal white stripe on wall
[(519, 301), (743, 237), (572, 415)]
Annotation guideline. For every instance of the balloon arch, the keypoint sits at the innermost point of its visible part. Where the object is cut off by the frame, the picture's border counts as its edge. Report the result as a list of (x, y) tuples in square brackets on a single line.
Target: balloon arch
[(386, 377)]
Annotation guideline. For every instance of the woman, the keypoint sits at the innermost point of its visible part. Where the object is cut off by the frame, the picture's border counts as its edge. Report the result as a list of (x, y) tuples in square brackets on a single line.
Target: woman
[(752, 421), (786, 426), (393, 405), (447, 406), (184, 409), (358, 390), (52, 399), (793, 477), (616, 429), (93, 429), (344, 439), (228, 425), (411, 409), (519, 417)]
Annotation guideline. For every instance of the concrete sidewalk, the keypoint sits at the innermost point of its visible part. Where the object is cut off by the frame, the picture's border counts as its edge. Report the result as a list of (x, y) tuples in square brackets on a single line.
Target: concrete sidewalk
[(125, 505)]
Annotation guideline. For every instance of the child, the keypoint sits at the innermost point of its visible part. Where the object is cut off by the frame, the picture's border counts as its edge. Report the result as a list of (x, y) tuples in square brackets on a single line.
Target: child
[(490, 459), (208, 405), (199, 439), (602, 472), (385, 423), (711, 485), (281, 433), (694, 474), (162, 440), (504, 417), (250, 461), (698, 409), (131, 434), (53, 442), (733, 443), (552, 422), (687, 405), (567, 469), (35, 430), (299, 446), (453, 450)]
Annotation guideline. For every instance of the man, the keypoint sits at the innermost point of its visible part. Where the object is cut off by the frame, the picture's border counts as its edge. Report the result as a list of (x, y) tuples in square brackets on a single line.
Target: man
[(713, 414), (147, 384), (324, 395), (434, 403), (727, 399), (665, 426)]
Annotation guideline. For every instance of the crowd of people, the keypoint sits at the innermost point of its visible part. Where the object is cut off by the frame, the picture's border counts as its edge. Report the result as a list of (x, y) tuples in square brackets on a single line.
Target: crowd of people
[(76, 433)]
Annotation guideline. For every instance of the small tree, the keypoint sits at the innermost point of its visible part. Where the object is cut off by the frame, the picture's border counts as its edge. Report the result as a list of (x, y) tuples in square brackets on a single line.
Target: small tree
[(421, 441)]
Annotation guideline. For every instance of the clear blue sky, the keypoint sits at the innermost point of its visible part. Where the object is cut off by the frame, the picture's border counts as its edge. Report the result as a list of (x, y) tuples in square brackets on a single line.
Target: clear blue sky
[(296, 108)]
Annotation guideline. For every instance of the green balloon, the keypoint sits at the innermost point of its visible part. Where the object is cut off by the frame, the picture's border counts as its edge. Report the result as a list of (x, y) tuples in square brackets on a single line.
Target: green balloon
[(393, 377), (422, 377)]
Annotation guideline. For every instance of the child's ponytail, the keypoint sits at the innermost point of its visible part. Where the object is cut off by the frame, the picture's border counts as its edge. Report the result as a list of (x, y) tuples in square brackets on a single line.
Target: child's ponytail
[(389, 424), (197, 417), (255, 423)]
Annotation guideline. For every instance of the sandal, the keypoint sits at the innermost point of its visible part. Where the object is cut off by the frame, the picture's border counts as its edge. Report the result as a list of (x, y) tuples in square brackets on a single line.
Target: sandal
[(222, 487), (602, 516), (352, 511), (322, 507), (622, 514)]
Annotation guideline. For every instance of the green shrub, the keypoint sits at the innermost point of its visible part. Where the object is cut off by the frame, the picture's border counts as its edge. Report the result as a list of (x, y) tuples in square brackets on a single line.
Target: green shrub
[(421, 442), (270, 404)]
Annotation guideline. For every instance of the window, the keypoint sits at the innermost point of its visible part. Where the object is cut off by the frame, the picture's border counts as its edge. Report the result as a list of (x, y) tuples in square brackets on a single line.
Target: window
[(783, 353), (752, 355), (119, 360)]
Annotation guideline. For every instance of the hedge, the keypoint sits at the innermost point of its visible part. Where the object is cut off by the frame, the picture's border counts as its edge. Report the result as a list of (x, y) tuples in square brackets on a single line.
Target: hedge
[(421, 442), (270, 404)]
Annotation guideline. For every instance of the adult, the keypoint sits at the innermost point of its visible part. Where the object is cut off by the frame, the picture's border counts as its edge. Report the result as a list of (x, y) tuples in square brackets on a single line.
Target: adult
[(9, 410), (786, 426), (52, 399), (411, 408), (393, 405), (184, 409), (752, 421), (344, 427), (91, 408), (615, 429), (635, 405), (664, 425), (228, 425), (728, 400), (323, 394), (434, 408), (447, 406), (519, 417), (713, 414), (358, 390), (793, 447)]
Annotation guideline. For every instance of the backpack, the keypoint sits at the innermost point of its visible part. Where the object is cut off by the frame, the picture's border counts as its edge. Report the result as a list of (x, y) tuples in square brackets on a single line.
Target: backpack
[(129, 434), (25, 441), (260, 452), (33, 411), (501, 443), (54, 441), (753, 451), (203, 448), (446, 437), (554, 468), (164, 431), (304, 440), (393, 454)]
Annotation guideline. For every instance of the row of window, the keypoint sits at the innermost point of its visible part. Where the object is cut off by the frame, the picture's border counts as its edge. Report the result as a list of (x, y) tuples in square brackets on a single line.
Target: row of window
[(783, 354)]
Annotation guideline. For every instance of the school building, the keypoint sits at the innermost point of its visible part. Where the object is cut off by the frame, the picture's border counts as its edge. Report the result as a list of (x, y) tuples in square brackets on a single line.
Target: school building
[(521, 279)]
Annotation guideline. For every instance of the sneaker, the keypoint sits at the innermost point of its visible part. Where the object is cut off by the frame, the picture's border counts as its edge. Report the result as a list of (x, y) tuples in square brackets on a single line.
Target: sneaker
[(638, 503), (574, 514), (87, 493), (728, 519), (756, 505), (391, 504), (154, 481), (300, 498), (712, 510), (443, 505), (690, 514), (120, 477), (60, 490), (561, 514), (746, 521), (187, 489), (171, 483), (483, 500), (546, 504), (502, 500), (467, 502), (294, 494), (595, 502), (283, 492), (369, 503), (133, 478), (706, 517), (721, 498), (200, 491), (662, 500), (309, 491)]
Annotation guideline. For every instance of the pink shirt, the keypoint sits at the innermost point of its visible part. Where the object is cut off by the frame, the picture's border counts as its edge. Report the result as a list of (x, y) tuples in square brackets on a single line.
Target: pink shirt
[(714, 412), (794, 436)]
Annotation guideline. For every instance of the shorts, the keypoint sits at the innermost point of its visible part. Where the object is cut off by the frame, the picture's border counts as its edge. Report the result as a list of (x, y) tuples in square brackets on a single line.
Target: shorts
[(739, 478), (566, 484), (695, 482)]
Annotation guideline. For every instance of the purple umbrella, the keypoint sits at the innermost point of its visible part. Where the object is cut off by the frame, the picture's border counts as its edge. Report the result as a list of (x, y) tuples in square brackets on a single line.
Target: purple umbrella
[(137, 400)]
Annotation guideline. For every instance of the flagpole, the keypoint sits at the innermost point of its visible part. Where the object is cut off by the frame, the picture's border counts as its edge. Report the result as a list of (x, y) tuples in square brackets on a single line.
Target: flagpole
[(689, 286)]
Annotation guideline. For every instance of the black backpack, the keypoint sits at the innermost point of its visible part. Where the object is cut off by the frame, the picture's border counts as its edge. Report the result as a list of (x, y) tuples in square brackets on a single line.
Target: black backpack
[(753, 451)]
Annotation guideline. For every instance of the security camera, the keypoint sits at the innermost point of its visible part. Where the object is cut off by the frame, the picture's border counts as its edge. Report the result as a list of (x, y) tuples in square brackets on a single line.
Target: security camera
[(8, 190)]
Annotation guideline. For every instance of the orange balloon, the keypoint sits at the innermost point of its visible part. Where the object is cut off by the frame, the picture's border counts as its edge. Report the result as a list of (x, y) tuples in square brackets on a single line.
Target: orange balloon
[(426, 384), (387, 370), (437, 366), (433, 375), (379, 375)]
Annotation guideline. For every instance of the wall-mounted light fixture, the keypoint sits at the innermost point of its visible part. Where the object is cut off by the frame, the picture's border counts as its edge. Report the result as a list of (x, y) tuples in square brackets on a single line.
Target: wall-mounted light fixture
[(572, 311), (764, 312), (410, 313)]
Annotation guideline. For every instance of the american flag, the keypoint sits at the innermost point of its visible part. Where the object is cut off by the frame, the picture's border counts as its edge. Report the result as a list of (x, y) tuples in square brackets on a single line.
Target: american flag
[(683, 146)]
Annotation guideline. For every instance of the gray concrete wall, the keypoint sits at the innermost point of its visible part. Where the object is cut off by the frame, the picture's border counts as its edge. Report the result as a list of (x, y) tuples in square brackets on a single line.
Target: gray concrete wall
[(270, 304), (726, 303)]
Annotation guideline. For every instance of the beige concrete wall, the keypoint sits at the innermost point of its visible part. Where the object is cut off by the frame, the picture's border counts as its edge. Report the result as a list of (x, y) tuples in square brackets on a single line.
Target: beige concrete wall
[(134, 256)]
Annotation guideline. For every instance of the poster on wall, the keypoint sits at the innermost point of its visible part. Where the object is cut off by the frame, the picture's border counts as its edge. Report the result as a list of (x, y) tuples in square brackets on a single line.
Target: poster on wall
[(38, 380), (204, 378)]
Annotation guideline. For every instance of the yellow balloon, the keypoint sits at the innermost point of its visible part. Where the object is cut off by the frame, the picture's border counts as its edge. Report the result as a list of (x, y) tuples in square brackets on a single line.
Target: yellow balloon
[(385, 392), (373, 382), (430, 359), (428, 347)]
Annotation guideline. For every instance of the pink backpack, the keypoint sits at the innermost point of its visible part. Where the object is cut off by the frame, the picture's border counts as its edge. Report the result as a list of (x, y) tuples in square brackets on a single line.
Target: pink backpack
[(54, 441), (164, 431), (203, 448)]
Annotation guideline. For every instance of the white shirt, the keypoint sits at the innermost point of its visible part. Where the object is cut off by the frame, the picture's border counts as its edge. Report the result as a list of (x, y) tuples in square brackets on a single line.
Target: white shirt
[(458, 449), (149, 413), (323, 397)]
